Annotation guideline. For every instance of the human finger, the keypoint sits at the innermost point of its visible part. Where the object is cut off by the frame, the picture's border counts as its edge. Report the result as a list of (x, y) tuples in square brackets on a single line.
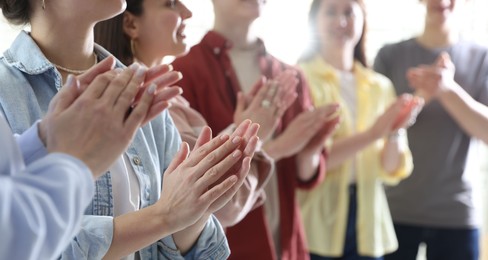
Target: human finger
[(66, 96), (217, 191), (204, 137), (223, 199), (138, 114), (103, 66), (217, 171), (96, 88), (157, 71), (212, 153), (118, 85), (126, 96), (179, 157)]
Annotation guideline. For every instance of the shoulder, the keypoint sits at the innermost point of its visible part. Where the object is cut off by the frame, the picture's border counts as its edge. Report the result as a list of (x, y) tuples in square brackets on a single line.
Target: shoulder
[(397, 47), (193, 58)]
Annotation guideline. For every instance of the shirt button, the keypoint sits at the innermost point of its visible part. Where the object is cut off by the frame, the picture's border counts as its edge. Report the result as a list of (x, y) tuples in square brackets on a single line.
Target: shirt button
[(137, 161), (216, 50)]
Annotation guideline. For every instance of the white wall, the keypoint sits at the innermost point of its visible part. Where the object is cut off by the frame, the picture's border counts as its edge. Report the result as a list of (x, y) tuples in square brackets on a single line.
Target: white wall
[(283, 28)]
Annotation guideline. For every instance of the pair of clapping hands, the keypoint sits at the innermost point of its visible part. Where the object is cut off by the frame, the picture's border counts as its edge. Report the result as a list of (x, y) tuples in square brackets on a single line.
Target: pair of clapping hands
[(95, 116), (429, 82)]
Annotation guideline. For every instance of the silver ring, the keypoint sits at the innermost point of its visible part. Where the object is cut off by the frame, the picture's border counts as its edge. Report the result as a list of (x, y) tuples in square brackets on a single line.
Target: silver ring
[(265, 103)]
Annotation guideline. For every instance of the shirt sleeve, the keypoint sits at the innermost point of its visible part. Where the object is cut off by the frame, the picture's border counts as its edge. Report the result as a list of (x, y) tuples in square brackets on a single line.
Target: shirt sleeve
[(42, 206), (31, 146), (212, 244), (379, 62), (93, 240)]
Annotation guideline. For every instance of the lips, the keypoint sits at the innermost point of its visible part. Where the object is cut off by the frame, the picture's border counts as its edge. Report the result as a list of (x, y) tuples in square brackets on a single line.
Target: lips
[(181, 31)]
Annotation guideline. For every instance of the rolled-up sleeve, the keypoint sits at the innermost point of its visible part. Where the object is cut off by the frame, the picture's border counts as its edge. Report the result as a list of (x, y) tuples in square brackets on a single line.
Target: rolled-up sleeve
[(31, 146), (212, 244), (93, 240)]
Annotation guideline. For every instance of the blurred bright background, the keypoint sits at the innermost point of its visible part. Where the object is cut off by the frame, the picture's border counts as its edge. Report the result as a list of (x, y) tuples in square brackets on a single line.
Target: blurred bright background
[(283, 28)]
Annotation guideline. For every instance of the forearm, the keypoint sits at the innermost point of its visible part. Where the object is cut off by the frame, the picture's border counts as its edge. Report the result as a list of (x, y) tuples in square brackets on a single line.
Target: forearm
[(186, 238), (307, 165), (346, 148), (471, 115), (249, 194), (130, 236)]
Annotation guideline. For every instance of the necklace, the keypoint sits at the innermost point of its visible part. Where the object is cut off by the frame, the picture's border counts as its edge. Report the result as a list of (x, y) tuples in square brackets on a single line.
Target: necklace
[(76, 72)]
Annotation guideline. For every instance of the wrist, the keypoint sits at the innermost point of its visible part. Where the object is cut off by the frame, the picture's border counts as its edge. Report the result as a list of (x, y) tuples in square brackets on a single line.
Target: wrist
[(41, 132), (396, 135), (271, 150), (372, 135), (163, 220)]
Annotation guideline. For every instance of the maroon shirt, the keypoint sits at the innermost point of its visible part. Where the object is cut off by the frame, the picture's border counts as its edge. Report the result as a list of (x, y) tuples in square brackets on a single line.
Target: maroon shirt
[(210, 84)]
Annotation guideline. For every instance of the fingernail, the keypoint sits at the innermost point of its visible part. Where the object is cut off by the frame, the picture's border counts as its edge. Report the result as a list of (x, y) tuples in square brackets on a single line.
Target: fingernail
[(151, 89), (233, 179), (223, 137), (69, 81), (140, 72), (134, 66), (170, 67), (236, 140), (236, 154), (180, 76)]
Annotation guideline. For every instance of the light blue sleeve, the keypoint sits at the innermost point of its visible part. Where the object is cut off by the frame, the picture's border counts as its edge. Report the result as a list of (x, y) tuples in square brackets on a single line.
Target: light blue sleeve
[(41, 207), (93, 240), (31, 145), (212, 244)]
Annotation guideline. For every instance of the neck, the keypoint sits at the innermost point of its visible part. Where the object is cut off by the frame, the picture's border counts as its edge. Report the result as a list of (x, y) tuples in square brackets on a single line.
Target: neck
[(238, 32), (148, 60), (339, 59), (435, 36), (66, 44)]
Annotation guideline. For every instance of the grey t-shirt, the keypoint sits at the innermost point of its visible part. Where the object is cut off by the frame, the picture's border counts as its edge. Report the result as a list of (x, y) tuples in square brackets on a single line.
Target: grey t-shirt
[(439, 192)]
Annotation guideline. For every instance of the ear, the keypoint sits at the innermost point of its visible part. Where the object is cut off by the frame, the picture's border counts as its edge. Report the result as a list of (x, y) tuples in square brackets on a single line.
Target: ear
[(130, 25)]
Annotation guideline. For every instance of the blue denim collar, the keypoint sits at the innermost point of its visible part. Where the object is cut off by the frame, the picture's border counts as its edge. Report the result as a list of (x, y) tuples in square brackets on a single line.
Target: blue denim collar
[(25, 55)]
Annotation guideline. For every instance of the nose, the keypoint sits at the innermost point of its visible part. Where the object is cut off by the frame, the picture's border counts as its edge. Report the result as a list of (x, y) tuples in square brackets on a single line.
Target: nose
[(342, 20), (185, 12)]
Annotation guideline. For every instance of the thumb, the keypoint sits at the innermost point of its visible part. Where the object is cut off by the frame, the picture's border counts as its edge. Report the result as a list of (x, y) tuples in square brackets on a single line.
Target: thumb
[(67, 95), (241, 103), (257, 86), (444, 60), (204, 137), (179, 157)]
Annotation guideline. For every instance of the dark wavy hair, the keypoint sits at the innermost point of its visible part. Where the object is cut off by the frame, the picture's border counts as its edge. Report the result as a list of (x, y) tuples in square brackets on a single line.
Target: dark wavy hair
[(110, 33), (17, 12), (313, 44)]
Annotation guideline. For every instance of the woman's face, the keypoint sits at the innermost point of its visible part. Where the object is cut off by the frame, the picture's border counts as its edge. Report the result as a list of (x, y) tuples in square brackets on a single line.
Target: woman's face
[(248, 10), (161, 28), (339, 24)]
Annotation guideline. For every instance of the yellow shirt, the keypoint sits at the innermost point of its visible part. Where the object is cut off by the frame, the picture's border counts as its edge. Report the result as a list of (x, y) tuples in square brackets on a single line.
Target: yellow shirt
[(324, 209)]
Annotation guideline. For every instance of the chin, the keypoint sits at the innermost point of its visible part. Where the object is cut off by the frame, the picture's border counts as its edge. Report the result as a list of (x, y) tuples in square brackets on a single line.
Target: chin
[(180, 50)]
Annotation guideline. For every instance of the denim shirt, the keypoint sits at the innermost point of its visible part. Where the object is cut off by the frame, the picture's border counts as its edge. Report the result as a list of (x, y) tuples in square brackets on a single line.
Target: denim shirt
[(28, 81)]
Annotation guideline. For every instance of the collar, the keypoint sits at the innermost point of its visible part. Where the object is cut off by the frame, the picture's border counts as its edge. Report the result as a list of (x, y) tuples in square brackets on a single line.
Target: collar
[(25, 55), (218, 43), (319, 67)]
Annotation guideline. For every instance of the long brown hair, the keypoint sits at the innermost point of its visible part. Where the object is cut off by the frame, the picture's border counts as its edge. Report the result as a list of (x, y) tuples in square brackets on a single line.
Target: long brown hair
[(110, 33), (313, 44)]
